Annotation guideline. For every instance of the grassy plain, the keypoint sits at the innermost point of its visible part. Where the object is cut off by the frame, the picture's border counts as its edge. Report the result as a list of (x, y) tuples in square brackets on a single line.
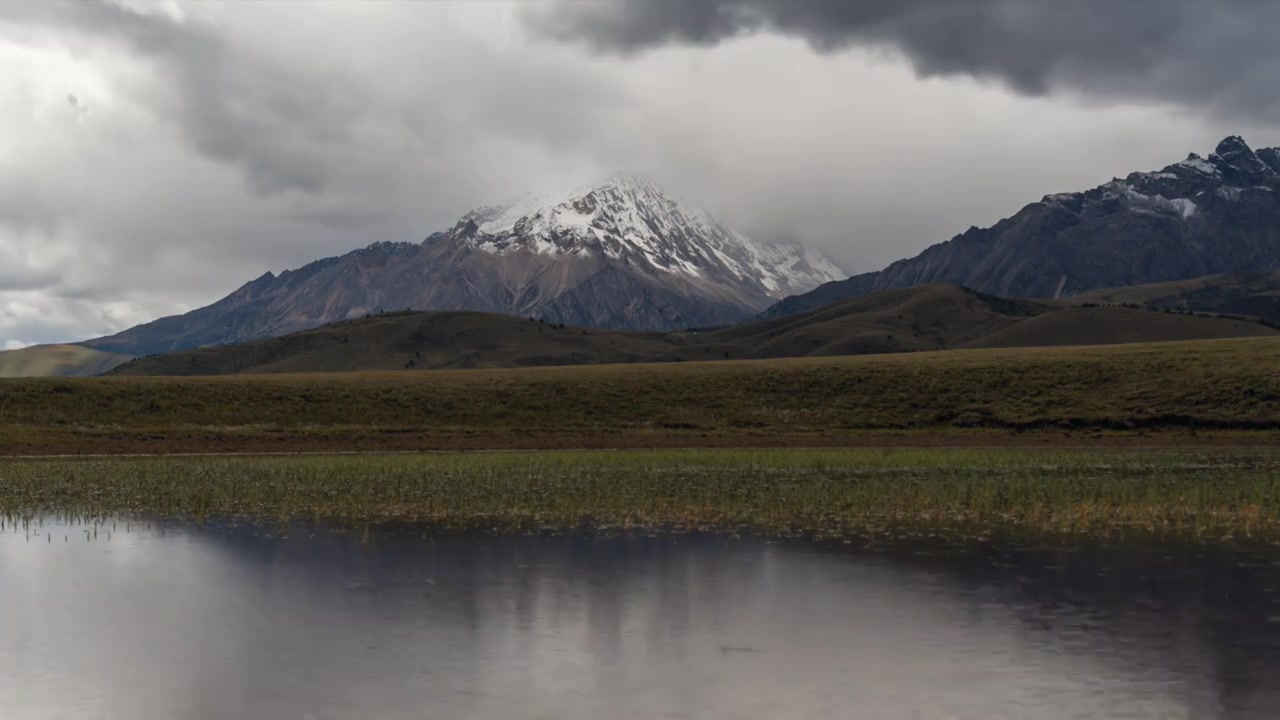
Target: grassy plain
[(1220, 385), (1218, 391), (774, 491)]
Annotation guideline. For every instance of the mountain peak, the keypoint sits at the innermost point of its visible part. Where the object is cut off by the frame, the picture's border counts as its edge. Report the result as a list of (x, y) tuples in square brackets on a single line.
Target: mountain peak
[(1270, 156), (1231, 146), (1241, 161), (630, 179), (628, 218), (389, 246), (502, 218)]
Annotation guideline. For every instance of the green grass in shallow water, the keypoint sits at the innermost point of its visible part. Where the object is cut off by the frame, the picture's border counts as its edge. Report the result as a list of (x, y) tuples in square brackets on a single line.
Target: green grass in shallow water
[(772, 491)]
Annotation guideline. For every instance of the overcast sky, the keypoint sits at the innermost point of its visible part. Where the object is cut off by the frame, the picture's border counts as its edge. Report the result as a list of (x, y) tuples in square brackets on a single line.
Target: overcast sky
[(156, 155)]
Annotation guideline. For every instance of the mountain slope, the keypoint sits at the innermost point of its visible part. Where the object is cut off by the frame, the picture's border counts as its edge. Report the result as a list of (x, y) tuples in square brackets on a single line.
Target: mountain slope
[(57, 361), (822, 296), (1248, 294), (617, 254), (404, 340), (1197, 217), (1114, 325), (931, 317)]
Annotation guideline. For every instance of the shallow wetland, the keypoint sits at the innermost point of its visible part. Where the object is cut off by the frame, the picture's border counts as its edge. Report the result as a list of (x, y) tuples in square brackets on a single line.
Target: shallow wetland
[(916, 583), (1213, 493), (164, 619)]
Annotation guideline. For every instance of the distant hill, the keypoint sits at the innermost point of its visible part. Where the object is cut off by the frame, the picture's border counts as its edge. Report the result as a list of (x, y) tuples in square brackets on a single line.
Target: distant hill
[(396, 341), (1249, 294), (932, 317), (1197, 217), (1109, 325), (57, 360)]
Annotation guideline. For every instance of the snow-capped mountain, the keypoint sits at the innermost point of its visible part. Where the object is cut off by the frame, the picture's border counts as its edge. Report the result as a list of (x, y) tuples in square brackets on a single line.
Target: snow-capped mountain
[(619, 253), (1197, 217), (1183, 188), (630, 220)]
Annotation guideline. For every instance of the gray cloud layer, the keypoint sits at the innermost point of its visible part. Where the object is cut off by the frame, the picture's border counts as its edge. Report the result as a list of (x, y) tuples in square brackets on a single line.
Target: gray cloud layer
[(210, 142), (288, 126), (1220, 55)]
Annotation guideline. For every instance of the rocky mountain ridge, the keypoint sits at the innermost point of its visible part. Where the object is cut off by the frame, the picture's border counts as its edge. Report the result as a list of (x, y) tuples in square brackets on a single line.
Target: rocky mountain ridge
[(1196, 217)]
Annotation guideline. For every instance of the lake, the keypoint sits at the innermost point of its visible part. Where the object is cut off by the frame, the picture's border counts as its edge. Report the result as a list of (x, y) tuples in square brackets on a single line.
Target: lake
[(172, 621)]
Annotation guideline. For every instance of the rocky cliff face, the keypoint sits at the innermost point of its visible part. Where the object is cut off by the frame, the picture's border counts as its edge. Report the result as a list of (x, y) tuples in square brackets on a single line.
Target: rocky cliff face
[(618, 254), (1193, 218)]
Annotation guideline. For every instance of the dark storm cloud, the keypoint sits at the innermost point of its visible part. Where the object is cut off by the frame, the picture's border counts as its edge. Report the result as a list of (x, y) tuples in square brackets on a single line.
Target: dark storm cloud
[(1222, 56)]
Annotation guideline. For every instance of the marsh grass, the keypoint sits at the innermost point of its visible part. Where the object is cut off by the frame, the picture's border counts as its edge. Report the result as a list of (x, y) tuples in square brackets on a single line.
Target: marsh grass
[(780, 492)]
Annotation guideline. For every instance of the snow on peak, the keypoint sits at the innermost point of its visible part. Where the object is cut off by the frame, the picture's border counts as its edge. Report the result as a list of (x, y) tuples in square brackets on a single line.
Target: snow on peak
[(1144, 202), (1199, 164), (1183, 189), (547, 205), (630, 218)]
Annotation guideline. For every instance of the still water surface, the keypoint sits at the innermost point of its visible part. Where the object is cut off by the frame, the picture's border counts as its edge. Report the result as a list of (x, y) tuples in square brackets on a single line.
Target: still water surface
[(178, 622)]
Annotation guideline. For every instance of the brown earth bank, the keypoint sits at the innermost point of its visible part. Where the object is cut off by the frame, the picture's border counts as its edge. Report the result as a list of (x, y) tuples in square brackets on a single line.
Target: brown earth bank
[(1157, 394)]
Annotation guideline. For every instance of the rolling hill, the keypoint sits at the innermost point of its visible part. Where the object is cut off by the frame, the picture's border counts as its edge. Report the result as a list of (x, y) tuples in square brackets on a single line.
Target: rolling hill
[(1252, 294), (931, 317), (1111, 325), (57, 361)]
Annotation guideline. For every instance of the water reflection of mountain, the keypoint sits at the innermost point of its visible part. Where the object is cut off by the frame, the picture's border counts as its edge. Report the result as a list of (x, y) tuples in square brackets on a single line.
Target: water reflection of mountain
[(1204, 615), (326, 624)]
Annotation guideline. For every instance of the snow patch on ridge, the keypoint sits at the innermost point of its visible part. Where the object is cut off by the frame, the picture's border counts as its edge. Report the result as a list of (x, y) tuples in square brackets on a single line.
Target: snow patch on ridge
[(1184, 206), (1201, 165), (1141, 202)]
